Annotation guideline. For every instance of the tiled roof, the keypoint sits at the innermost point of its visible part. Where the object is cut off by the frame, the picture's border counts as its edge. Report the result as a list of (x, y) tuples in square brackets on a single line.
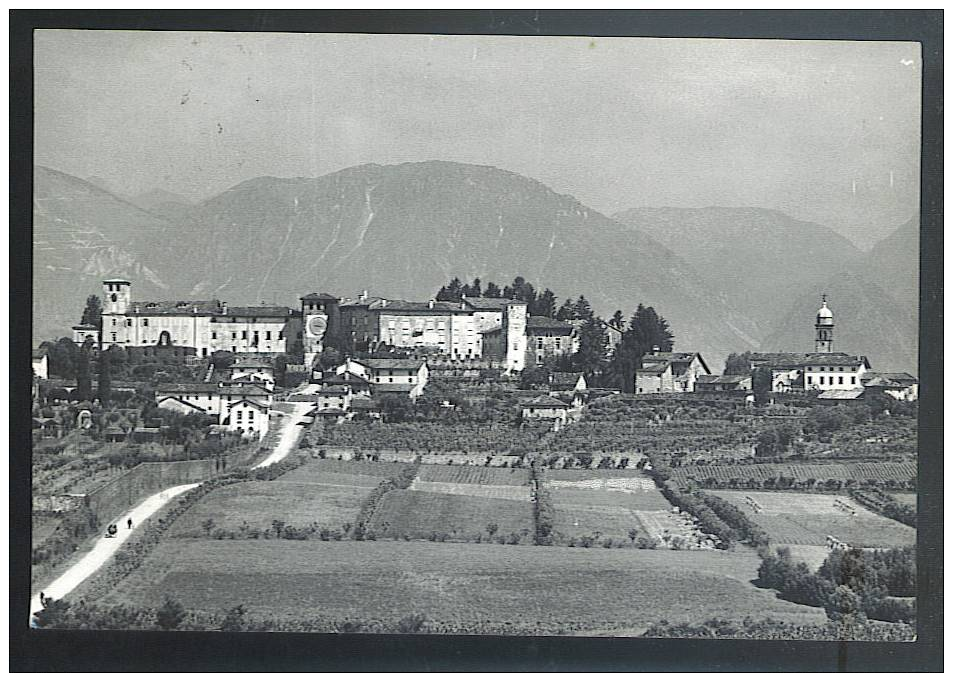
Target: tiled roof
[(851, 394), (86, 326), (418, 306), (544, 402), (190, 388), (252, 362), (543, 322), (254, 403), (261, 311), (722, 378), (323, 296), (888, 379), (668, 357), (39, 353), (363, 403), (393, 387), (333, 390), (243, 388), (180, 401), (792, 360), (391, 363), (175, 307), (491, 303), (653, 368), (345, 378), (834, 359)]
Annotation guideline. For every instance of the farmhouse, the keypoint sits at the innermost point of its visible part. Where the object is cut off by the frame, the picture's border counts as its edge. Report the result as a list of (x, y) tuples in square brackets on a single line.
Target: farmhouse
[(707, 383), (901, 386), (549, 338), (248, 416), (669, 372), (545, 407), (822, 370), (218, 400), (40, 363), (389, 375)]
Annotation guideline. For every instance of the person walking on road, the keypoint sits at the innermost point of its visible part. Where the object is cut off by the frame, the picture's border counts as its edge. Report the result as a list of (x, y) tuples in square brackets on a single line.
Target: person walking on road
[(129, 523)]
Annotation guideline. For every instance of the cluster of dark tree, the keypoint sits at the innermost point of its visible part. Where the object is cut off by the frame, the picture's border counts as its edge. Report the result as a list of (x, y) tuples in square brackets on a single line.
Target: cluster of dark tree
[(373, 500), (708, 521), (645, 331), (881, 502), (852, 585), (772, 629), (74, 527), (544, 514)]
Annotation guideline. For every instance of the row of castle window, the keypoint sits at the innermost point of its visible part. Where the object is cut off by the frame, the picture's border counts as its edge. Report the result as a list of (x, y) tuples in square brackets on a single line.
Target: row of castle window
[(830, 381), (829, 369)]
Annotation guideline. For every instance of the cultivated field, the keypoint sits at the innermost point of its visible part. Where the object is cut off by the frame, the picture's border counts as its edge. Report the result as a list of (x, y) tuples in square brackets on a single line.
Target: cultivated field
[(422, 514), (601, 504), (819, 475), (906, 498), (342, 472), (460, 474), (256, 504), (548, 589), (807, 519)]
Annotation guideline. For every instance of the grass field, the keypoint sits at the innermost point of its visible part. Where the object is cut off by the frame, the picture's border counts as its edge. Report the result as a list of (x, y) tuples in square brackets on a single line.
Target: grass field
[(418, 514), (561, 589), (807, 519), (259, 503), (906, 498)]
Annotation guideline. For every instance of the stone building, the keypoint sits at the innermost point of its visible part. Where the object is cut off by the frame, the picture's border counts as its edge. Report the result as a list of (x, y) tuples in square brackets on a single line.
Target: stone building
[(663, 372)]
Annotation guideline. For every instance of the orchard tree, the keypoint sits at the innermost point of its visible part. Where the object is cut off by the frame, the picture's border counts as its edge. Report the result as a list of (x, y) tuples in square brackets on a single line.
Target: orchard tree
[(565, 311), (492, 290), (104, 388), (738, 363), (590, 358), (84, 382), (92, 313), (545, 304)]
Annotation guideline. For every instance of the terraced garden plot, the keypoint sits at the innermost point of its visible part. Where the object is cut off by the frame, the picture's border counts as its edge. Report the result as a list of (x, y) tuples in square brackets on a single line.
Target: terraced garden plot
[(477, 490), (552, 589), (343, 473), (624, 478), (581, 497), (260, 503), (807, 519), (418, 514), (467, 474), (815, 473)]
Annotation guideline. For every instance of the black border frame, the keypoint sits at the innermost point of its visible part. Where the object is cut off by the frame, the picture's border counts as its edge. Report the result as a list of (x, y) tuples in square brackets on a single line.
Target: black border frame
[(76, 650)]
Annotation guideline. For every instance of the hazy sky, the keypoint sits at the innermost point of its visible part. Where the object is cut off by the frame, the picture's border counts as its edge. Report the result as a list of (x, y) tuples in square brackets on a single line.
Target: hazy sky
[(827, 131)]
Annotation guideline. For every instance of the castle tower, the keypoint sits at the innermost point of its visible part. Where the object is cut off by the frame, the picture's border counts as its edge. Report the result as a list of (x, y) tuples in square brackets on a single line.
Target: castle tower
[(319, 316), (824, 329), (117, 296)]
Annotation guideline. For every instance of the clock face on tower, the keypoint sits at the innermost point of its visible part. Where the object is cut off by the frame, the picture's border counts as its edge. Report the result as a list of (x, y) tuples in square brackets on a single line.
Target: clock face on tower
[(317, 324)]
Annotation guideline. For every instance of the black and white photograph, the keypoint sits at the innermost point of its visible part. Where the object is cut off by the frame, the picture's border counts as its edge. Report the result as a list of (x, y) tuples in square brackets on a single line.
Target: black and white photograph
[(484, 335)]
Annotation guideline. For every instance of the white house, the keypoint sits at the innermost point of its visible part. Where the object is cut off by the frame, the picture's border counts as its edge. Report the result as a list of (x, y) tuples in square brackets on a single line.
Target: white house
[(41, 363), (247, 416), (389, 375)]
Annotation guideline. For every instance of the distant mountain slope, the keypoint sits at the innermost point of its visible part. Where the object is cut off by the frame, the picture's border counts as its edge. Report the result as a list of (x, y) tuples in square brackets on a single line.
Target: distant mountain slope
[(875, 299), (82, 234), (761, 259), (404, 230), (156, 198)]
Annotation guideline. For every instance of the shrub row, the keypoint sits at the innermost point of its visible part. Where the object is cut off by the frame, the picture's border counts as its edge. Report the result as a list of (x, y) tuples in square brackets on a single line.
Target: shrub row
[(544, 514), (876, 500), (771, 629), (372, 502)]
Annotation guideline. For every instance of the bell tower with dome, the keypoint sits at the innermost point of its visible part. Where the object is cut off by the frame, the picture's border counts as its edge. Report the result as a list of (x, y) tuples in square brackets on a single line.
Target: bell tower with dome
[(824, 329)]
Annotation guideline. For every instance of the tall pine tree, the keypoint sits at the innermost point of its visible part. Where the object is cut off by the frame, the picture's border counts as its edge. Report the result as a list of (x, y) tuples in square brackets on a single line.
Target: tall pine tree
[(545, 304), (565, 311), (492, 290), (590, 358), (475, 289), (92, 313), (104, 389), (647, 331), (84, 382)]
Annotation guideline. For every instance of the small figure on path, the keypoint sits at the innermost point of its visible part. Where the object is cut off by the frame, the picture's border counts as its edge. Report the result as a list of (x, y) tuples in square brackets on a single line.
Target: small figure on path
[(129, 523), (42, 599)]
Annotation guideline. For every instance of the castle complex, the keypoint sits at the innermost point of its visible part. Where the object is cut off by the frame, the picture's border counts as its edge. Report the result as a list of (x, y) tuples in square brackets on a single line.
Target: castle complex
[(475, 328)]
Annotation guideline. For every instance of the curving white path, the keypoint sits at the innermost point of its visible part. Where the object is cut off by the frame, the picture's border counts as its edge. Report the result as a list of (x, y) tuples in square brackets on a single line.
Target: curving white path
[(104, 549)]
